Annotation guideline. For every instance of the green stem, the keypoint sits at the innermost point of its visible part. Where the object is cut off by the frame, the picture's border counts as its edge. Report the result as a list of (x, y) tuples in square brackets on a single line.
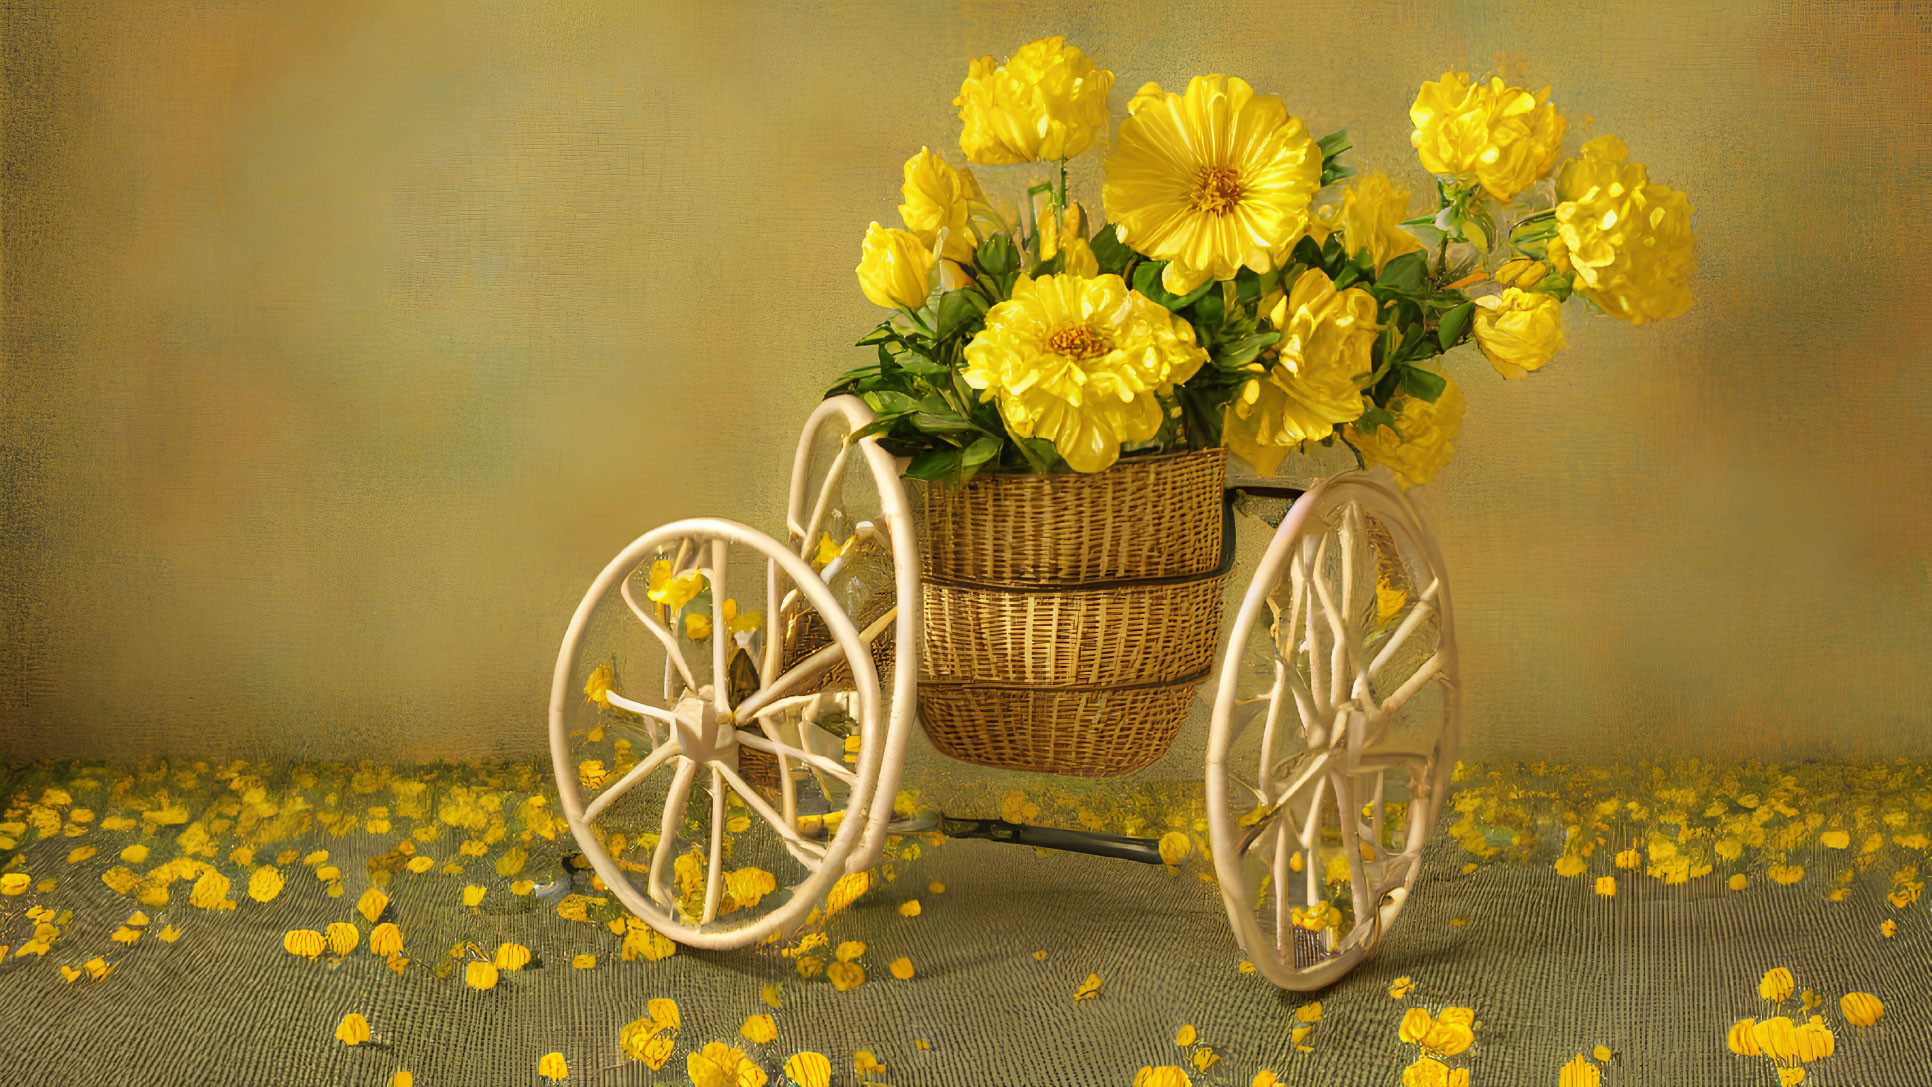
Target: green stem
[(1063, 184)]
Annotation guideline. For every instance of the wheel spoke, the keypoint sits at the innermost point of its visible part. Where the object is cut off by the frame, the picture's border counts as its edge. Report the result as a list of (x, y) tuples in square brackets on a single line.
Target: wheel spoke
[(640, 708), (1430, 669), (808, 669), (663, 754), (720, 679), (812, 759), (674, 801), (1418, 614), (714, 861), (1348, 819), (1268, 730), (807, 853), (664, 636)]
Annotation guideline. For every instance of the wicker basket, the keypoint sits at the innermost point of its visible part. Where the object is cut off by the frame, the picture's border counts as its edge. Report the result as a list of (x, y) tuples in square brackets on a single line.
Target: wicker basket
[(1070, 618)]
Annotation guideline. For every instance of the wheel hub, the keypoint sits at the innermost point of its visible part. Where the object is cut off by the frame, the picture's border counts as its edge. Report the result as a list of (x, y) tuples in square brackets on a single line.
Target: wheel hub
[(702, 733)]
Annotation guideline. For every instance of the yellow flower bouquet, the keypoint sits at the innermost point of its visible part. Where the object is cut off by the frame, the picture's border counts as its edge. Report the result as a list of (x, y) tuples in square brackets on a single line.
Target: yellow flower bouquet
[(1237, 293)]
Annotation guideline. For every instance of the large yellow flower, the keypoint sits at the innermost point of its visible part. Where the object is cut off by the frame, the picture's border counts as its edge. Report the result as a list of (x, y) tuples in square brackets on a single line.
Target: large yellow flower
[(1626, 239), (1082, 363), (1326, 340), (1210, 181), (1047, 102), (1518, 330), (1371, 217), (1503, 138), (938, 197), (1428, 435), (895, 271)]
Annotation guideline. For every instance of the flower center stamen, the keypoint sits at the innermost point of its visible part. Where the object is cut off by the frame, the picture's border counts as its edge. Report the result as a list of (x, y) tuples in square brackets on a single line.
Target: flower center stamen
[(1217, 190), (1078, 344)]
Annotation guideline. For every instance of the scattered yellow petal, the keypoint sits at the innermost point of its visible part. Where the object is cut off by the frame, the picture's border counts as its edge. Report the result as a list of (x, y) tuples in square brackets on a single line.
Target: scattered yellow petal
[(1185, 1036), (1174, 847), (770, 993), (936, 887), (1088, 988), (1246, 967), (1785, 873), (98, 968), (1458, 922), (343, 938), (552, 1067), (1204, 1058), (80, 853), (386, 939), (845, 975), (909, 908), (1601, 1053), (808, 1070), (1310, 1012), (1790, 1077), (137, 919), (118, 880), (472, 895), (1579, 1073), (522, 887), (1607, 886), (371, 904), (122, 935), (135, 854), (1835, 839), (664, 1012), (1570, 865), (1466, 869), (584, 962), (305, 942), (480, 975), (1739, 882), (1039, 956), (1861, 1009), (512, 956), (1888, 928), (402, 1078), (901, 968), (168, 934), (420, 864), (849, 950), (1166, 1075), (1399, 988), (353, 1030), (1265, 1078), (1776, 984), (760, 1029)]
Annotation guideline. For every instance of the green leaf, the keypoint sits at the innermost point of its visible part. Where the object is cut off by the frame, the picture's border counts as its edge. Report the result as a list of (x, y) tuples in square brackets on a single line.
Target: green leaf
[(1208, 312), (981, 451), (1109, 252), (935, 423), (1334, 143), (1405, 274), (935, 464), (1449, 330), (998, 257), (1422, 384), (888, 402), (1245, 350), (1332, 146), (958, 308), (1051, 267), (882, 334)]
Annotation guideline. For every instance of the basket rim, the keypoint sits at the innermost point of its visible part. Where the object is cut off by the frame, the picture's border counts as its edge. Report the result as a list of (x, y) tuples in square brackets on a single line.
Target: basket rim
[(1126, 460)]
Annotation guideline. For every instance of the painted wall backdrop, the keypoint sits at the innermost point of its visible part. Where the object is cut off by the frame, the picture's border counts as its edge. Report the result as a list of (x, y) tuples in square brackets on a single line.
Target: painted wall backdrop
[(345, 342)]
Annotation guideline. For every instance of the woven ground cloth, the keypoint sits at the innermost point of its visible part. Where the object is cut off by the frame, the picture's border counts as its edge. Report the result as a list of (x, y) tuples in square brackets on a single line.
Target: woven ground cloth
[(1721, 874)]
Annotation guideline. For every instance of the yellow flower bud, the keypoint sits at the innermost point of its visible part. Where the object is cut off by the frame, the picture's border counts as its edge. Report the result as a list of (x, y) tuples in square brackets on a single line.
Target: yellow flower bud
[(1518, 331), (937, 197), (895, 270), (1047, 102), (1427, 441)]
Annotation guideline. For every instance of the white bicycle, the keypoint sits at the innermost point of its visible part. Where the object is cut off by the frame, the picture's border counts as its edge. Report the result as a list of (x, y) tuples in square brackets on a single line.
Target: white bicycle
[(726, 666)]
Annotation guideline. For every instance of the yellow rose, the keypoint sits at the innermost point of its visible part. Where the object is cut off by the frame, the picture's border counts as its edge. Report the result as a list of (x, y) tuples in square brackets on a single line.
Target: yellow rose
[(1425, 444), (895, 271), (1626, 240), (1211, 181), (1370, 218), (1502, 138), (1518, 330), (1326, 340), (1047, 102), (938, 197), (1081, 362)]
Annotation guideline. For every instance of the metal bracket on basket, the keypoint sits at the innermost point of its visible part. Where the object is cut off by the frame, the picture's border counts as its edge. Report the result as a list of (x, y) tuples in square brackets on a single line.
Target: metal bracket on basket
[(1144, 850)]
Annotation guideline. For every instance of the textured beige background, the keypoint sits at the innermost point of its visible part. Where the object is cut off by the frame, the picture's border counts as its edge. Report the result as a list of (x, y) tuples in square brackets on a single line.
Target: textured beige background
[(344, 342)]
